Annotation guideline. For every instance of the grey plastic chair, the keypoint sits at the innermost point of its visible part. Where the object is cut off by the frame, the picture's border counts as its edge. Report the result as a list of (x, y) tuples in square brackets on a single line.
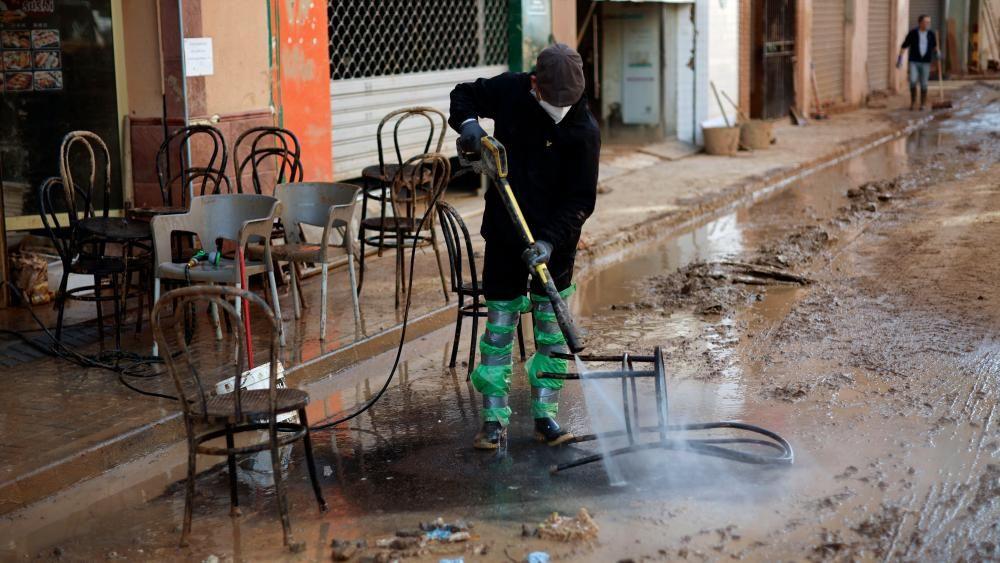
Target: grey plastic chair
[(238, 218), (326, 205)]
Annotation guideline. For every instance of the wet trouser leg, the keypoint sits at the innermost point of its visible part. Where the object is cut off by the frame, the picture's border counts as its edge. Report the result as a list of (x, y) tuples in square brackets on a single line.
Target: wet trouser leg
[(549, 339), (505, 280), (492, 376)]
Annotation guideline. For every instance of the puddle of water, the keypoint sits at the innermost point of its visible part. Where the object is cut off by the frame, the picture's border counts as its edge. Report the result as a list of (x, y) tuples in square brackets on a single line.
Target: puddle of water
[(808, 200)]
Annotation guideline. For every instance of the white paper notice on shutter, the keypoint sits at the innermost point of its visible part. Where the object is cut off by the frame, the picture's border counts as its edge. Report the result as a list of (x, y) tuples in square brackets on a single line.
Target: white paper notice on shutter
[(198, 59)]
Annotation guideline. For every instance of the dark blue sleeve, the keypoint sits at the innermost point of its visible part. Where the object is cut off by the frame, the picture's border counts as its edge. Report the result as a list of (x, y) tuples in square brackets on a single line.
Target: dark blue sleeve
[(482, 98)]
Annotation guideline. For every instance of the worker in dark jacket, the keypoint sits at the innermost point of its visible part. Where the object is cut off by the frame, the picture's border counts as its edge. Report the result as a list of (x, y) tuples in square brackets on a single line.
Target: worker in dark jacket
[(922, 43), (553, 147)]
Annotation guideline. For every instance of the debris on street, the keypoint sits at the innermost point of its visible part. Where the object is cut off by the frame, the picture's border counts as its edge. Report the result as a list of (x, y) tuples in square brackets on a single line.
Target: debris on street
[(433, 537), (569, 529)]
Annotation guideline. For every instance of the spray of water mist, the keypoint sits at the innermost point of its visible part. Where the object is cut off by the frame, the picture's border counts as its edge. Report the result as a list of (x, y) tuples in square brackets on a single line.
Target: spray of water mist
[(605, 415)]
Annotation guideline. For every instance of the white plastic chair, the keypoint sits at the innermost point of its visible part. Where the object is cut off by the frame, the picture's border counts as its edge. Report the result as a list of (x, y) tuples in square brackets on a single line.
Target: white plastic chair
[(332, 207), (239, 218)]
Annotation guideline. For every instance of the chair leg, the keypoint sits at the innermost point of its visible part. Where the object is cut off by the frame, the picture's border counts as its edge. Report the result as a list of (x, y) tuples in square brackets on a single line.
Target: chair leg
[(381, 221), (279, 486), (139, 299), (354, 292), (61, 303), (276, 306), (458, 333), (520, 339), (100, 309), (239, 302), (361, 258), (293, 273), (116, 310), (400, 261), (234, 499), (323, 292), (475, 334), (298, 272), (213, 311), (189, 491), (437, 254), (156, 297), (311, 462)]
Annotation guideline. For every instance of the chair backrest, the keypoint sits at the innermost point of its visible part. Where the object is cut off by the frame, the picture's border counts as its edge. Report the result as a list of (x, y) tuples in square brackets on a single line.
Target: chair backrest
[(436, 121), (320, 204), (223, 216), (196, 371), (95, 152), (417, 184), (192, 161), (458, 242), (263, 151), (53, 199)]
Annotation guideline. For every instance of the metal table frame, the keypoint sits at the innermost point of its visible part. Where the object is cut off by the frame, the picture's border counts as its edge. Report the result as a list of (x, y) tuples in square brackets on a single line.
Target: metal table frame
[(666, 433)]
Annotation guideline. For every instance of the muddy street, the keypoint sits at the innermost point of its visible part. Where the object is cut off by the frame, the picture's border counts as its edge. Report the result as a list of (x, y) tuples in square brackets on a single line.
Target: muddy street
[(853, 311)]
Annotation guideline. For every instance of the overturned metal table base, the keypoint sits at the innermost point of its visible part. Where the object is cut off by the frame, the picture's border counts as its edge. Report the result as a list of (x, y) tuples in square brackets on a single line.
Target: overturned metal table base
[(718, 447)]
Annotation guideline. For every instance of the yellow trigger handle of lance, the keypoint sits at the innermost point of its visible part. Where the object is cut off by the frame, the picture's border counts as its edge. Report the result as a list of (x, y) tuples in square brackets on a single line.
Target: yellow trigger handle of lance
[(499, 154)]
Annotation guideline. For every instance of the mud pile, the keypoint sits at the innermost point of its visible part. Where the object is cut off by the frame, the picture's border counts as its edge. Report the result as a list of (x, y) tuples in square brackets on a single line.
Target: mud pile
[(718, 287), (794, 249)]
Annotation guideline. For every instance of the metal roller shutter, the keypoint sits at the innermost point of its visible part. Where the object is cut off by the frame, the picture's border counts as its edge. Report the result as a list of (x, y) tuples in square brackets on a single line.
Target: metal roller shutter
[(390, 54), (931, 8), (879, 47), (828, 49)]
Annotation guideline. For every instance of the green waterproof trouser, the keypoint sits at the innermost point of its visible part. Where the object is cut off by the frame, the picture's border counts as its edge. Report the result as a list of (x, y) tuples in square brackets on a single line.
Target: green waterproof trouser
[(492, 376)]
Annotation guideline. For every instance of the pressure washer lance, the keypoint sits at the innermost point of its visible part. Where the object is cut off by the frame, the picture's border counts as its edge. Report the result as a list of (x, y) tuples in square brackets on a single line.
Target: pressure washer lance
[(493, 164)]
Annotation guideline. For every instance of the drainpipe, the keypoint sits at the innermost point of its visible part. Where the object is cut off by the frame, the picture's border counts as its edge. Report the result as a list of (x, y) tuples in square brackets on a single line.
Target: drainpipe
[(694, 74), (184, 88)]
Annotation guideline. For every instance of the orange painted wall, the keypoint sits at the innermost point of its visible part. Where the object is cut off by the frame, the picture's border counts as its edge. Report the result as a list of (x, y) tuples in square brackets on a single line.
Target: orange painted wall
[(302, 84)]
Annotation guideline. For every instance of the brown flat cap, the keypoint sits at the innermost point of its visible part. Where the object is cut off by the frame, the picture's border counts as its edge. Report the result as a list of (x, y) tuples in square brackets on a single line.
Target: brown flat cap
[(559, 75)]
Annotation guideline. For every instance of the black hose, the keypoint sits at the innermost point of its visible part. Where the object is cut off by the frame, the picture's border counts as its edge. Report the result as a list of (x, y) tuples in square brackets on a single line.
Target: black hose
[(108, 361), (402, 333)]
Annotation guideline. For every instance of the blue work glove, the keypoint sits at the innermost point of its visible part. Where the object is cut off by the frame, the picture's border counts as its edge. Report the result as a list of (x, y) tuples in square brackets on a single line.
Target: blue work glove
[(899, 61), (470, 141), (538, 253)]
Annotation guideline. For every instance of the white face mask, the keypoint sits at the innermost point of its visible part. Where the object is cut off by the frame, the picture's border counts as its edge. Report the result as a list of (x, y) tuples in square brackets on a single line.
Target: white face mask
[(555, 112)]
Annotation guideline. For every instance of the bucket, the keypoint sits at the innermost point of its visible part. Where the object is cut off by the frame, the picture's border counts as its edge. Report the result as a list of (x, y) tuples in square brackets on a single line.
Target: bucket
[(723, 141), (756, 134)]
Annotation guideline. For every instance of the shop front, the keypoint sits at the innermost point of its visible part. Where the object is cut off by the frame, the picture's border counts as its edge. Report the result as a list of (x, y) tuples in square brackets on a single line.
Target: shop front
[(59, 74)]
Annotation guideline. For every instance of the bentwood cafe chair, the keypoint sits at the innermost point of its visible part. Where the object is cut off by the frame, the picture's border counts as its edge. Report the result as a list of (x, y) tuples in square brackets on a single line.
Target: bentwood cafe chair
[(197, 365)]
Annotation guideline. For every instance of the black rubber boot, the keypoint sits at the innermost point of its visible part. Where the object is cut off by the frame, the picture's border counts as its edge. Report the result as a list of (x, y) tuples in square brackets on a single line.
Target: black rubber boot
[(913, 98), (490, 436), (547, 430), (923, 99)]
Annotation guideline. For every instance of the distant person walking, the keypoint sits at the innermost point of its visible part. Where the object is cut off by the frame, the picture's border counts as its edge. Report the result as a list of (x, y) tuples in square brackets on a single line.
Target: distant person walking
[(922, 44)]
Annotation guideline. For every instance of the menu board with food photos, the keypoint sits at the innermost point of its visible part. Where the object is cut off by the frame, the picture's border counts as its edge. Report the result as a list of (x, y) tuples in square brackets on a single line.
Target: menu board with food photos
[(57, 74), (31, 60)]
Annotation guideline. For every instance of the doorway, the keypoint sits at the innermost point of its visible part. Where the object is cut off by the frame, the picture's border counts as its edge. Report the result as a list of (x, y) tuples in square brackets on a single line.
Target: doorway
[(772, 84)]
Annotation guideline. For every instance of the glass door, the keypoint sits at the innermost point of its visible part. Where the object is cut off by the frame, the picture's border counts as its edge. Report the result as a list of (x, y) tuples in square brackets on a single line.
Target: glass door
[(57, 74)]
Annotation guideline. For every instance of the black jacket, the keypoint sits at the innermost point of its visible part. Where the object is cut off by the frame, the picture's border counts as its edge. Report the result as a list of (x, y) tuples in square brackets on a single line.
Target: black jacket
[(552, 168), (912, 42)]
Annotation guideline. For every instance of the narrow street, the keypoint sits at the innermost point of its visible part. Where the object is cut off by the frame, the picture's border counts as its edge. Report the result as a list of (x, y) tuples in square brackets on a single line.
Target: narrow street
[(881, 370)]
